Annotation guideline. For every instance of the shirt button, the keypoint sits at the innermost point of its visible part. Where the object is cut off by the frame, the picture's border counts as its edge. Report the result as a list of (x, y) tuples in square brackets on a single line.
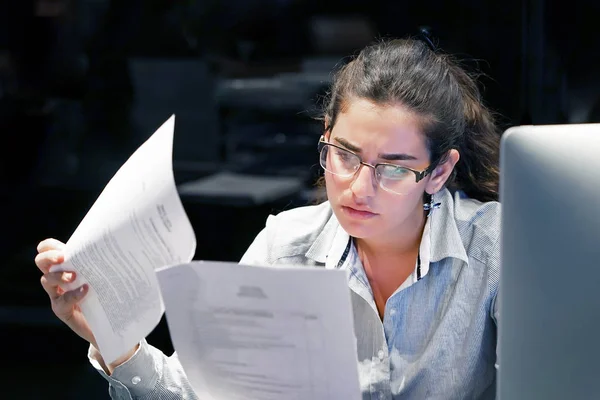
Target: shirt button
[(392, 311), (381, 355), (135, 380)]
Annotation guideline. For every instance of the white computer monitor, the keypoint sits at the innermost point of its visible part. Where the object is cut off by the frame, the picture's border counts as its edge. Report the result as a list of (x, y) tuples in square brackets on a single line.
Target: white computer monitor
[(549, 325)]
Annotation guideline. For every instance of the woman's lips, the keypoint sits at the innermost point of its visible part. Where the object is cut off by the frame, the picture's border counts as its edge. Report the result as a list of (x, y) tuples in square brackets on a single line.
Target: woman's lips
[(358, 214)]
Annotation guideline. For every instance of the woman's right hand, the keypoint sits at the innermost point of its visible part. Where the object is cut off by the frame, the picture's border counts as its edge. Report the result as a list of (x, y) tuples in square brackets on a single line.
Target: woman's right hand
[(64, 304)]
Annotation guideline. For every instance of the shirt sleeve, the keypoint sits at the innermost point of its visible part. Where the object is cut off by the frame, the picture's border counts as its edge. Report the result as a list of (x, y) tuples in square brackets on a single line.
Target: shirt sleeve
[(147, 375)]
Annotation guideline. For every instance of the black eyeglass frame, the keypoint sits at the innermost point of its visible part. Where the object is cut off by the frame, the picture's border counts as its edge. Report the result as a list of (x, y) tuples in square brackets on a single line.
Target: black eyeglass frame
[(419, 175)]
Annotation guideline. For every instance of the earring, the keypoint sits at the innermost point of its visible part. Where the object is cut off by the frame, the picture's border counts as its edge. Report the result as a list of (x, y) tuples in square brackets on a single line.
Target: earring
[(432, 205)]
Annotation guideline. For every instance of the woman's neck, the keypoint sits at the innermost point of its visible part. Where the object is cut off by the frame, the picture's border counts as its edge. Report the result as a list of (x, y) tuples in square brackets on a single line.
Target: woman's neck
[(403, 242)]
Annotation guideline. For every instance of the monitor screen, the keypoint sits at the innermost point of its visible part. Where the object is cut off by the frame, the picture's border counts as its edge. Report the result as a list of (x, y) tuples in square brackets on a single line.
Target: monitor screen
[(549, 302)]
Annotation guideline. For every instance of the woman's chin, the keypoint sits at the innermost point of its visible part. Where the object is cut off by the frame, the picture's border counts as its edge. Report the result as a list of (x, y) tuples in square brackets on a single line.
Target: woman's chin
[(359, 230), (357, 226)]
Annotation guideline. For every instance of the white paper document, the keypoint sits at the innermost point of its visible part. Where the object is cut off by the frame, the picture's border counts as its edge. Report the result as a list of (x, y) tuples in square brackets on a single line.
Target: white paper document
[(136, 225), (258, 333)]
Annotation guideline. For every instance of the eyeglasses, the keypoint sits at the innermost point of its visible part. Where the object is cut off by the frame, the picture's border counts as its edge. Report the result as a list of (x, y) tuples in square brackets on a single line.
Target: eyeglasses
[(392, 178)]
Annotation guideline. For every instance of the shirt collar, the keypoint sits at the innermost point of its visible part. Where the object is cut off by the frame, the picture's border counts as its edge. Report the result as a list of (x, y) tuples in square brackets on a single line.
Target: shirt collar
[(331, 233), (444, 237)]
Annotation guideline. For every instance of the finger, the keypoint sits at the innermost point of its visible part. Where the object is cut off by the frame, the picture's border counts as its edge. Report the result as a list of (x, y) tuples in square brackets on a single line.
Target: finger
[(50, 244), (51, 282), (68, 300), (49, 258)]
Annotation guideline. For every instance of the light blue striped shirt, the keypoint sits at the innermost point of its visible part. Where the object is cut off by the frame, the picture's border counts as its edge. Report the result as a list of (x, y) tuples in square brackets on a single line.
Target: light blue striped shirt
[(437, 339)]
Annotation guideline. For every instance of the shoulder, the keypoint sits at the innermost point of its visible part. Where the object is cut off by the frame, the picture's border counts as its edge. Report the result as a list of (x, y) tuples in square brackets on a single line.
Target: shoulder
[(478, 224), (290, 233), (300, 222), (303, 215), (483, 215)]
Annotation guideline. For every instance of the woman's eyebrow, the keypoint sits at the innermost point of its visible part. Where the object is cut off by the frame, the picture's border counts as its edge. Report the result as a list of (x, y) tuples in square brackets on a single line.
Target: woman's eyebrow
[(383, 156)]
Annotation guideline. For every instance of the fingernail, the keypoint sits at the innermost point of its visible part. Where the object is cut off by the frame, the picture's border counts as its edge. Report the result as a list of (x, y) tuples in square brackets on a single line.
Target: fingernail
[(81, 290), (67, 276)]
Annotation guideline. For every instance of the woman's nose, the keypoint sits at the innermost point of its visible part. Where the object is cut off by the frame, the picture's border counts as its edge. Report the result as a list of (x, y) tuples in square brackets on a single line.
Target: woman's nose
[(364, 183)]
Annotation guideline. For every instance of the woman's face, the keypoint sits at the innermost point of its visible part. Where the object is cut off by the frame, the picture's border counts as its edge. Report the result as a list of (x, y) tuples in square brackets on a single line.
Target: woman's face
[(379, 134)]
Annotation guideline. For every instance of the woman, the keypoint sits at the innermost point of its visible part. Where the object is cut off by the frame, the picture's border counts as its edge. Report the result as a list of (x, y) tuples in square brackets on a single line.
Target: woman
[(411, 171)]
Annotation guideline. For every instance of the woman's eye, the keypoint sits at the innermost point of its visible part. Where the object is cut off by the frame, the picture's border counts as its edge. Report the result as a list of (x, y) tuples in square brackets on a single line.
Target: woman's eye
[(343, 155), (395, 172)]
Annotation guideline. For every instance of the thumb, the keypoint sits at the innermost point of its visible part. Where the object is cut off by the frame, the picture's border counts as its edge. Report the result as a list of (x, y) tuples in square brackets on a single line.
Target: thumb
[(74, 296)]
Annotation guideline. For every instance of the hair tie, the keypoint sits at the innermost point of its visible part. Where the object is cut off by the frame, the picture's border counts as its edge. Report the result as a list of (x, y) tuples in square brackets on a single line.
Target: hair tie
[(425, 36)]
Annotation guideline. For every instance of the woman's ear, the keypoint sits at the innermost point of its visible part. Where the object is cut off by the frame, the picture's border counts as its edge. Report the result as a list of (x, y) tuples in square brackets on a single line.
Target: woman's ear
[(442, 172)]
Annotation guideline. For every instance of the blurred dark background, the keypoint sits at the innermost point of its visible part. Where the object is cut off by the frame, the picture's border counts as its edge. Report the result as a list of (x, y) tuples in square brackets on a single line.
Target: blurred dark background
[(84, 82)]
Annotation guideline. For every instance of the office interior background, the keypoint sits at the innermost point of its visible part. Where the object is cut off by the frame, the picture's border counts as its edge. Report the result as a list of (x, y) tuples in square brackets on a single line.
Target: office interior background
[(84, 82)]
